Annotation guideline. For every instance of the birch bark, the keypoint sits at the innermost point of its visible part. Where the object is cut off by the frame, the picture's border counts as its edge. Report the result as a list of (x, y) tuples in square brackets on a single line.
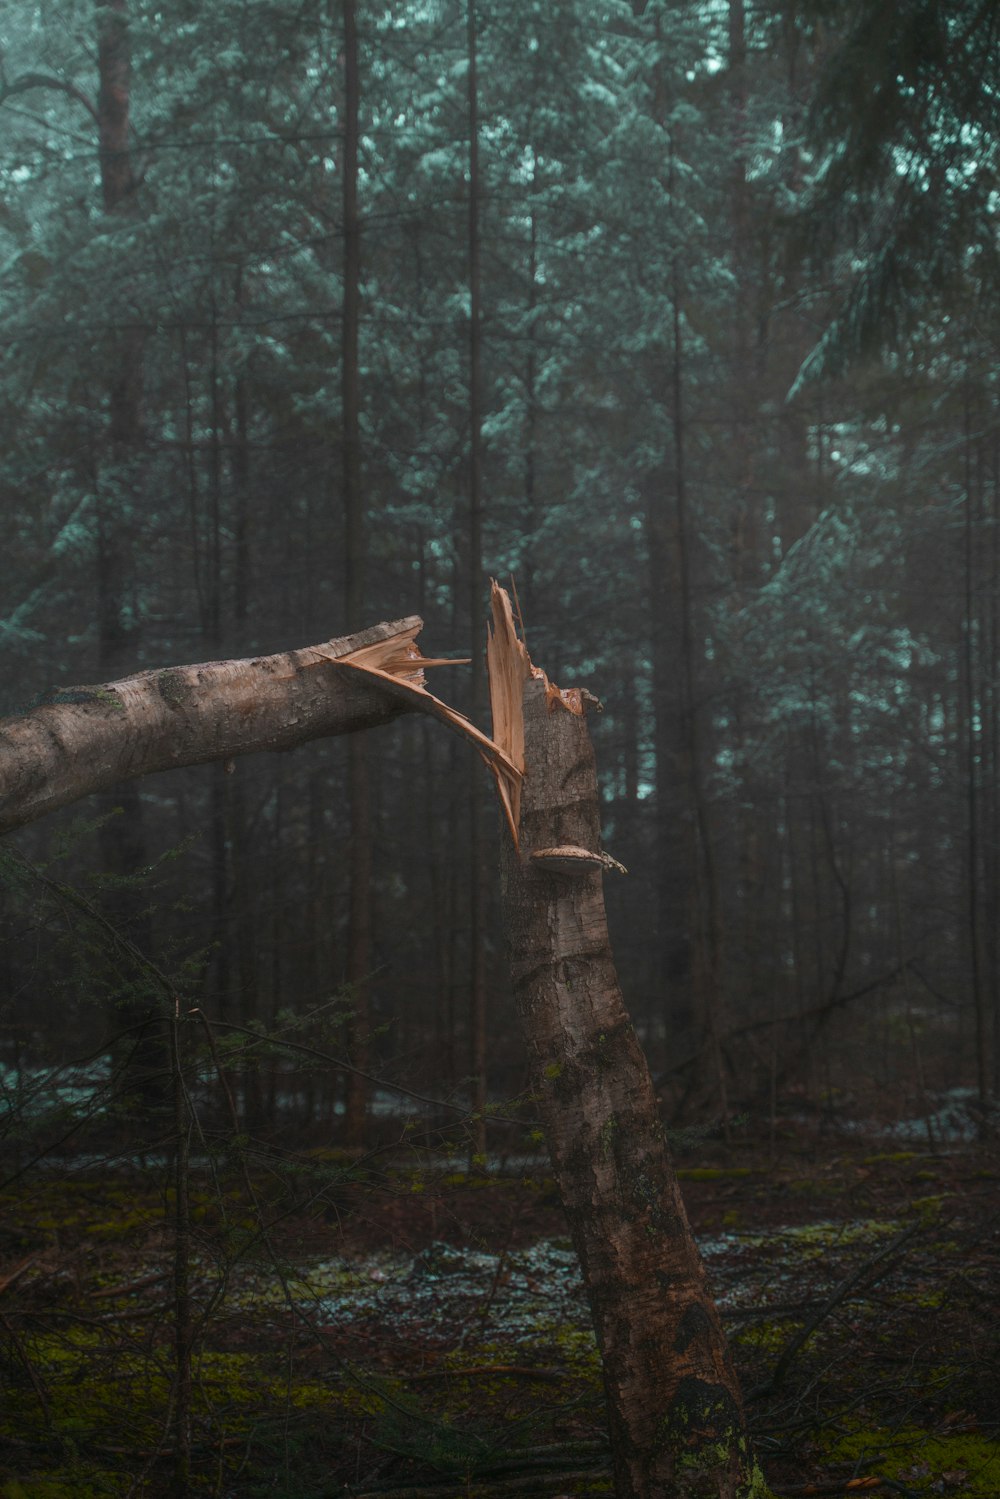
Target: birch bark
[(84, 739), (674, 1405)]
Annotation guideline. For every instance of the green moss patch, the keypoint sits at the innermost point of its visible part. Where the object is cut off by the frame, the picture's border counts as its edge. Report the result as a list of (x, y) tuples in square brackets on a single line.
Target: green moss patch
[(714, 1173), (923, 1462)]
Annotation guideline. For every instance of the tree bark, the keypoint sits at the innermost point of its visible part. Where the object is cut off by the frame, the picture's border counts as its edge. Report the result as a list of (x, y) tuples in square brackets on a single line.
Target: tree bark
[(675, 1410), (79, 740)]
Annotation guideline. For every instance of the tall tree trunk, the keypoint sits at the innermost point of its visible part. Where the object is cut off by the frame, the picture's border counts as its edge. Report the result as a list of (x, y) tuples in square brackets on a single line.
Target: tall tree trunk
[(742, 927), (212, 630), (993, 770), (114, 62), (744, 535), (674, 1405), (532, 551), (122, 836), (359, 930), (118, 624), (477, 865), (706, 924), (673, 830), (972, 729)]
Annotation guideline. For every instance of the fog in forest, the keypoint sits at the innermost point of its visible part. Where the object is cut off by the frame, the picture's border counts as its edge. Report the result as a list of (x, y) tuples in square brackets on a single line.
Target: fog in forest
[(678, 320)]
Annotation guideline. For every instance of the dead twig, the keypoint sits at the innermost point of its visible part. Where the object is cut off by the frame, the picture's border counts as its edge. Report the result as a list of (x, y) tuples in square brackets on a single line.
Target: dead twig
[(488, 1371), (535, 1484), (869, 1485), (19, 1269), (142, 1284), (36, 1384), (841, 1292), (779, 1309)]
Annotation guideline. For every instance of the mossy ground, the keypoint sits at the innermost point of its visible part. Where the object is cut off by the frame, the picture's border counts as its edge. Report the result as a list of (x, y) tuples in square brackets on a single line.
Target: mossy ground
[(965, 1463), (375, 1335)]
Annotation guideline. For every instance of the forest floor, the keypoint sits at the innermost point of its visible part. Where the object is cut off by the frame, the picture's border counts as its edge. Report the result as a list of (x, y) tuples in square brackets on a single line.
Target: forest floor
[(358, 1328)]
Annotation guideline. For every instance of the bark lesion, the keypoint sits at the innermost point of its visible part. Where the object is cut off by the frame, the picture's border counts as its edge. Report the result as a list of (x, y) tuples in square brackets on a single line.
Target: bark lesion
[(173, 688), (103, 695)]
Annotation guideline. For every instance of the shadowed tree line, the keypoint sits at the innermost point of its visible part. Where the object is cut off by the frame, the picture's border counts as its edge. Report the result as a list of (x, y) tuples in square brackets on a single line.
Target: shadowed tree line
[(317, 315)]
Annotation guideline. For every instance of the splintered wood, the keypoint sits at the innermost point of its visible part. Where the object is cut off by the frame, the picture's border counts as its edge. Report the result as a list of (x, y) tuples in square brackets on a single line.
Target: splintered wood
[(399, 657), (508, 667), (397, 665)]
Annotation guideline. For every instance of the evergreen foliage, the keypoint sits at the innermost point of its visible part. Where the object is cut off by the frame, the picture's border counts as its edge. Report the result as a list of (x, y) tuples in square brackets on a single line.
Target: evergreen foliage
[(787, 607)]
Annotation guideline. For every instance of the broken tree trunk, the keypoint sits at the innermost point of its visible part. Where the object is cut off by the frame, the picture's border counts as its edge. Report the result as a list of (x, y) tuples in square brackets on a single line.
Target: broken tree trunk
[(674, 1404), (77, 740), (675, 1412)]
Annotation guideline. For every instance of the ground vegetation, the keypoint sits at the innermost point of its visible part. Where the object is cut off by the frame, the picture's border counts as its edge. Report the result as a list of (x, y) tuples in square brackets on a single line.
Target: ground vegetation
[(394, 1324)]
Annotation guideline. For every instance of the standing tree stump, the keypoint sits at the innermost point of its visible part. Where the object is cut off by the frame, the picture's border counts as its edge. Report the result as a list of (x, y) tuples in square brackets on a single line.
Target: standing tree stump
[(674, 1405)]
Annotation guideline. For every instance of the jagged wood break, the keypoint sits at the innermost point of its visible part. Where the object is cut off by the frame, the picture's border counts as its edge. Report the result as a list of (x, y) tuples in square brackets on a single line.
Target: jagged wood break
[(508, 667), (398, 666)]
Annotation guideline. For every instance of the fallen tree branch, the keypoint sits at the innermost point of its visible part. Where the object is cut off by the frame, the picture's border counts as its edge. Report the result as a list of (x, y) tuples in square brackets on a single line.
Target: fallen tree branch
[(77, 740), (18, 1270), (492, 1371), (868, 1485), (277, 1042), (820, 1013), (840, 1293)]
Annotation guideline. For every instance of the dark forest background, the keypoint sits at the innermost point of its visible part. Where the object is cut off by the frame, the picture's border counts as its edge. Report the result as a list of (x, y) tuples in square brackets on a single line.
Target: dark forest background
[(319, 313)]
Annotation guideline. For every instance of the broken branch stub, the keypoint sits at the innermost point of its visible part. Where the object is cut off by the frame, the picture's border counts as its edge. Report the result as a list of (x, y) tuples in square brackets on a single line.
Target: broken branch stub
[(508, 668)]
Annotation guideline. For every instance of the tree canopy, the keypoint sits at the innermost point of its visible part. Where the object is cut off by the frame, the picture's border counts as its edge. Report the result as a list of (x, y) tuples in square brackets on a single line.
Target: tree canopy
[(787, 603)]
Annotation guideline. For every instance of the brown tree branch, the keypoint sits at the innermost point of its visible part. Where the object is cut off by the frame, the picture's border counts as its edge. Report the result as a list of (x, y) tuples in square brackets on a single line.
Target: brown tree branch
[(868, 1273), (819, 1013), (77, 740), (29, 81)]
